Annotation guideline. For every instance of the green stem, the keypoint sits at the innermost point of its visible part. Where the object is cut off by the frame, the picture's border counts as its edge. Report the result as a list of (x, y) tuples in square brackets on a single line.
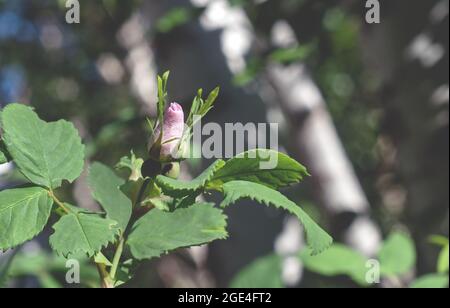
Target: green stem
[(116, 259), (134, 215), (141, 192), (105, 279), (59, 203)]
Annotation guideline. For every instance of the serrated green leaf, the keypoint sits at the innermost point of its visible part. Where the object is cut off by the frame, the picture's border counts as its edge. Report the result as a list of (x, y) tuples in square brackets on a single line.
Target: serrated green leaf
[(443, 261), (159, 232), (24, 212), (105, 186), (234, 191), (432, 281), (337, 260), (176, 188), (82, 234), (397, 255), (246, 167), (46, 153), (265, 272)]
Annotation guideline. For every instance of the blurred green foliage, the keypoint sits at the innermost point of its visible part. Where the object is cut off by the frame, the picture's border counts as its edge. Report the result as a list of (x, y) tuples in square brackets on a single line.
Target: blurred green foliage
[(65, 82), (396, 259), (49, 270)]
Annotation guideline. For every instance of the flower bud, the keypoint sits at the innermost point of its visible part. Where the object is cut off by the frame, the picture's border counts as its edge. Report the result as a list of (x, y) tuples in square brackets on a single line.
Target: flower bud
[(165, 148)]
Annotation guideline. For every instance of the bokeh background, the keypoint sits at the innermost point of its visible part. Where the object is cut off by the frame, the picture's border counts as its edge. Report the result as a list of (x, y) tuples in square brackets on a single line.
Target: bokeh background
[(364, 106)]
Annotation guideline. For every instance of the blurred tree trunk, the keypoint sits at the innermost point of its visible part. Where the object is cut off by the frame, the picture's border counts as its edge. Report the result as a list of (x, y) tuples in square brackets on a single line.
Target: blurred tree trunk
[(314, 139), (312, 134), (409, 50)]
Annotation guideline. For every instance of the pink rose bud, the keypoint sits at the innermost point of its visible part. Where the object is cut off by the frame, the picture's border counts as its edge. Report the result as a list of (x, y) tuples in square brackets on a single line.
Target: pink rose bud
[(173, 128)]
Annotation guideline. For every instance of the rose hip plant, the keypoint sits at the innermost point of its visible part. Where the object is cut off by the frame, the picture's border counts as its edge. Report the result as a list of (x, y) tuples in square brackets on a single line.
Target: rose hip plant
[(144, 216)]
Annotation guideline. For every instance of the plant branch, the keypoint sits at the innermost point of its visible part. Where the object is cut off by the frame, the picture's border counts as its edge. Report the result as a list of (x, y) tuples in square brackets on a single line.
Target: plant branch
[(116, 259), (59, 203), (104, 276), (120, 246), (141, 192)]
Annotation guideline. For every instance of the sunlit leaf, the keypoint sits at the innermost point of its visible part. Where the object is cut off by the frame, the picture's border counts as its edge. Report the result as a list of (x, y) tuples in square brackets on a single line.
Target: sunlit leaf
[(82, 234), (316, 237), (247, 167), (46, 153), (159, 232)]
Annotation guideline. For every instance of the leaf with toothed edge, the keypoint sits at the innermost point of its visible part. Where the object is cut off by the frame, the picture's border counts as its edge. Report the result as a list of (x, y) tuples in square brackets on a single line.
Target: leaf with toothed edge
[(77, 233), (178, 189), (105, 187), (24, 212), (158, 232), (45, 153), (247, 167), (317, 238)]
